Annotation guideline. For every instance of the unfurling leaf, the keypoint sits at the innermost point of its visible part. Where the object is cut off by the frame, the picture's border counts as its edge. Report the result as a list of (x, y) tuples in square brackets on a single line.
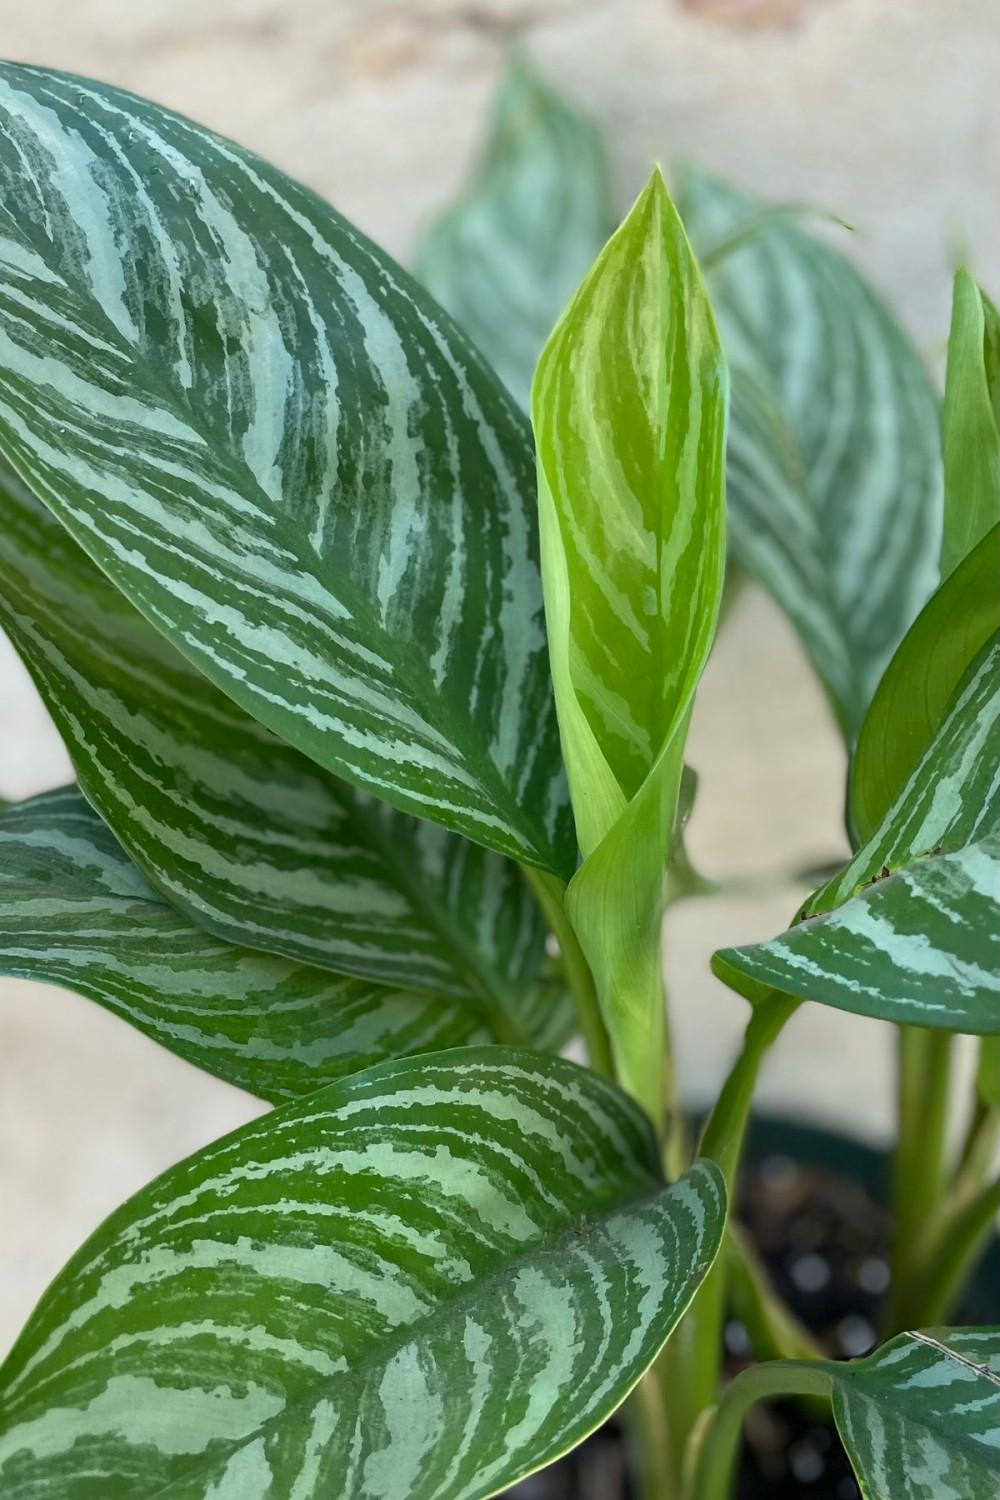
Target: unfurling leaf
[(282, 452), (629, 408), (244, 835), (427, 1280)]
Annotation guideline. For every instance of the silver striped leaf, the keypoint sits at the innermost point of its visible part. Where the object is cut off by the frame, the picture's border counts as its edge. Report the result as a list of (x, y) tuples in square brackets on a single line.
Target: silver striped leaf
[(920, 1418), (75, 912), (909, 931), (774, 533), (858, 404), (920, 681), (282, 452), (508, 254), (425, 1281), (247, 837), (629, 410)]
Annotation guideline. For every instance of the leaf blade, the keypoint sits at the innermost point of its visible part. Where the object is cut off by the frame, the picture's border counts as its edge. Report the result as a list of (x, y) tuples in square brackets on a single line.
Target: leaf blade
[(274, 376), (74, 912), (971, 423), (244, 835), (553, 1160)]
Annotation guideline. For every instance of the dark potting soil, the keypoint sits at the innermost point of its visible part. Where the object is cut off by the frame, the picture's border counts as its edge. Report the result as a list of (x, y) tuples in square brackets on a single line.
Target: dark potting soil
[(823, 1238)]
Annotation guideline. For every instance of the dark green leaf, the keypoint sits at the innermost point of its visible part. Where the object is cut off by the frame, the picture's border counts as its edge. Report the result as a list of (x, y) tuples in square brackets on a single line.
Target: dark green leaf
[(971, 423)]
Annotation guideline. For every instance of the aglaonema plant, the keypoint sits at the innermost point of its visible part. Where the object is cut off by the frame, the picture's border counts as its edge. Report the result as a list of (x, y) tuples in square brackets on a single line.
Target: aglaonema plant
[(365, 693)]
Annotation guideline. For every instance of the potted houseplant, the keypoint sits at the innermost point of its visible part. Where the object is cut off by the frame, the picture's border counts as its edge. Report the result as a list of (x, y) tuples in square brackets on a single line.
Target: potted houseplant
[(364, 697)]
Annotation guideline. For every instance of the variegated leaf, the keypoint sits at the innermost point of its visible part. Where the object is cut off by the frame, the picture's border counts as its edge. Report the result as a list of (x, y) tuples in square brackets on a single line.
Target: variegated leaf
[(774, 533), (920, 1418), (971, 423), (424, 1281), (510, 252), (910, 930), (283, 453), (919, 682), (75, 912), (858, 404), (629, 408), (243, 834)]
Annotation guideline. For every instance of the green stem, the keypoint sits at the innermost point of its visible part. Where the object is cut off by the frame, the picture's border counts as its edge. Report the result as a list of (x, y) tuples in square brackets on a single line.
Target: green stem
[(923, 1093), (719, 1449), (774, 1330), (550, 892), (694, 1354), (932, 1292), (650, 1440)]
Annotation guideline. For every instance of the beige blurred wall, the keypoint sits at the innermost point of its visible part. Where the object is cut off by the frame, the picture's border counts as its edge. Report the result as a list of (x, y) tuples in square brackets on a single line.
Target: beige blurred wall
[(881, 110)]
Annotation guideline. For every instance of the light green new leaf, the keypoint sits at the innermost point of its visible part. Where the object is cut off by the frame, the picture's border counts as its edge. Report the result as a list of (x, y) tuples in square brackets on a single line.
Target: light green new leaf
[(857, 402), (427, 1280), (282, 452), (920, 680), (920, 1417), (909, 931), (629, 408), (504, 261), (510, 252), (243, 834), (75, 912), (971, 423)]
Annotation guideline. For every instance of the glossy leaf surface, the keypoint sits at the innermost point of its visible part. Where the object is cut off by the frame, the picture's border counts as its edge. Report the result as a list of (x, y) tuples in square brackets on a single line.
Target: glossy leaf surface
[(857, 402), (971, 423), (910, 930), (920, 1417), (74, 911), (914, 693), (283, 453), (427, 1281), (247, 837), (629, 408), (510, 252)]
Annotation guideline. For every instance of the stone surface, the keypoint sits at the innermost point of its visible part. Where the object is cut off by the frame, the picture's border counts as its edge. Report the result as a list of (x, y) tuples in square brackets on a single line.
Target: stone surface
[(881, 112)]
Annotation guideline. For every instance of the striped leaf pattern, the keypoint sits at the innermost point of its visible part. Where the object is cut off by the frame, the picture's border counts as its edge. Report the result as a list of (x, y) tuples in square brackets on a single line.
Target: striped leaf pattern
[(282, 452), (910, 930), (424, 1281), (244, 835), (510, 252), (858, 404), (971, 423), (774, 533), (75, 912), (629, 409), (920, 1418), (919, 682)]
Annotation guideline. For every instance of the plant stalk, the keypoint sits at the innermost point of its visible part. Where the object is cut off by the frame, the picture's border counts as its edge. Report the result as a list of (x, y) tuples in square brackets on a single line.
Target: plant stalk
[(935, 1286), (550, 892), (693, 1357), (719, 1449), (919, 1162)]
